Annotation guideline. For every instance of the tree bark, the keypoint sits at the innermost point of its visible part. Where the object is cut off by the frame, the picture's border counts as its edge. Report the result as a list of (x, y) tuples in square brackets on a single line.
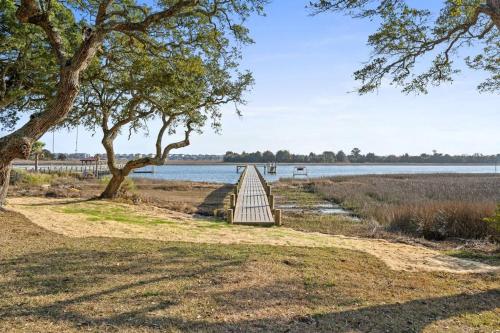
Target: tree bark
[(492, 9), (18, 144), (113, 187), (36, 162), (4, 182)]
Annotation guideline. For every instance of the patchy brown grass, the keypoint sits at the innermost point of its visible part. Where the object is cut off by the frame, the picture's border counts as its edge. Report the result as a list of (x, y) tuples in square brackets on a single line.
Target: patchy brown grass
[(433, 206), (182, 196), (53, 283), (188, 197), (77, 218)]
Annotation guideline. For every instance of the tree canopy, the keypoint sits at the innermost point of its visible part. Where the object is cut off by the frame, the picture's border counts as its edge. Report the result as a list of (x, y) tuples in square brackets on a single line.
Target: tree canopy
[(409, 33), (130, 86), (47, 45), (39, 39)]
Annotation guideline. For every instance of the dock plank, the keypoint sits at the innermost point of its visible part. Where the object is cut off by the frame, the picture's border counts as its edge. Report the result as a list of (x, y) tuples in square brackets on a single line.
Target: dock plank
[(252, 204)]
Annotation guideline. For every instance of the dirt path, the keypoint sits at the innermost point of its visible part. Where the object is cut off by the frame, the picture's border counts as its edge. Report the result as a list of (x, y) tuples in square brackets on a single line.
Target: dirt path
[(75, 218)]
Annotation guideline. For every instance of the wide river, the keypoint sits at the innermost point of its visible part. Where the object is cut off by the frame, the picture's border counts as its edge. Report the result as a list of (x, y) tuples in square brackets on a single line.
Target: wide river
[(226, 173)]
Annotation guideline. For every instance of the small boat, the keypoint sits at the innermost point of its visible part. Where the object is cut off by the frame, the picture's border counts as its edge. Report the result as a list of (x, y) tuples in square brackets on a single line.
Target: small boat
[(152, 170)]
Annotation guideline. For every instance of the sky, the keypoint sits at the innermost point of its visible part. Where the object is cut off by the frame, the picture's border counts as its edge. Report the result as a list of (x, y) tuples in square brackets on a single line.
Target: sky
[(301, 100)]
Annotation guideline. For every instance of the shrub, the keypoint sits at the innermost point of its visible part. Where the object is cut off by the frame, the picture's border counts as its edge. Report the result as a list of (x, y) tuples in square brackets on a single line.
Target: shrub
[(494, 224), (23, 177), (104, 180), (128, 185)]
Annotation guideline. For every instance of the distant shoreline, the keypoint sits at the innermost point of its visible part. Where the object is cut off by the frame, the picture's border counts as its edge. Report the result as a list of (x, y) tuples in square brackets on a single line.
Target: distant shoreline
[(185, 162)]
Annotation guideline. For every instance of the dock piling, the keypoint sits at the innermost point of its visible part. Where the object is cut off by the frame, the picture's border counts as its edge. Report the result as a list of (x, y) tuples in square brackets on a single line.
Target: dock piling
[(271, 202), (277, 217), (233, 201)]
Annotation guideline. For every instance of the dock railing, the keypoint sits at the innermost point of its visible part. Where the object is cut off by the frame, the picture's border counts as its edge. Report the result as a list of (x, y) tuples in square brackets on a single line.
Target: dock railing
[(270, 198), (83, 170), (276, 213), (234, 196)]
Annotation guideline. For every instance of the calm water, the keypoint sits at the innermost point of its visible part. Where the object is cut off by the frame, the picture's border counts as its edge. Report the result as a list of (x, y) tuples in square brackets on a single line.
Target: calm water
[(227, 173)]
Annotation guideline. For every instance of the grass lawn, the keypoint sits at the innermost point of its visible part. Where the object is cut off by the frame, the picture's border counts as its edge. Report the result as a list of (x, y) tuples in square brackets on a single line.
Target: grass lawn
[(50, 282)]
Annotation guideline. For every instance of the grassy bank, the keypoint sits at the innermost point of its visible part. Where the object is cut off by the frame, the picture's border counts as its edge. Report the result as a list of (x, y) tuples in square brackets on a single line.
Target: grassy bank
[(206, 199), (54, 283)]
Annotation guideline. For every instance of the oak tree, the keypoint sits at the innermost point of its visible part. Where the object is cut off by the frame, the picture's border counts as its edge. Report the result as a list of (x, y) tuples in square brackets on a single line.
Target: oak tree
[(172, 86), (407, 34), (46, 45)]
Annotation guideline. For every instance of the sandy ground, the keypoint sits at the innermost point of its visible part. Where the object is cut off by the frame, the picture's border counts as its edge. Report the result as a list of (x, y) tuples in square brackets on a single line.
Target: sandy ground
[(49, 214)]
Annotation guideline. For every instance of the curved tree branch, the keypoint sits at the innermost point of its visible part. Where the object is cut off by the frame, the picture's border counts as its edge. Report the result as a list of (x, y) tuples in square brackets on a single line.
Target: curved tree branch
[(30, 12)]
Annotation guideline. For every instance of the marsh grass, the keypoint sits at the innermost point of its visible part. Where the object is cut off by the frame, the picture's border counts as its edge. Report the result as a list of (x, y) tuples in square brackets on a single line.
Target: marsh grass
[(439, 220), (432, 206), (332, 224), (306, 216)]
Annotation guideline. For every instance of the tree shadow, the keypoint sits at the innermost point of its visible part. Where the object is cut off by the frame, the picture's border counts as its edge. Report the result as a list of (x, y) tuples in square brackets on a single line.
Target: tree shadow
[(60, 274), (138, 290), (214, 200), (60, 202), (412, 316)]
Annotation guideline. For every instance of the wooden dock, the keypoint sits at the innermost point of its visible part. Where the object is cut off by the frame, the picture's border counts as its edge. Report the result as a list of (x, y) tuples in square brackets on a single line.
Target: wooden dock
[(252, 203), (83, 170)]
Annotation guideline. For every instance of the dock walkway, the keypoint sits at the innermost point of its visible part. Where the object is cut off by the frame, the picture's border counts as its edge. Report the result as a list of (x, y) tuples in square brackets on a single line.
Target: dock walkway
[(253, 203)]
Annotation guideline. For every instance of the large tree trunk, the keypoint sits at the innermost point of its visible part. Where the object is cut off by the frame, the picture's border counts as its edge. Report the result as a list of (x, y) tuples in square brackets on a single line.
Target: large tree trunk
[(113, 187), (109, 135), (4, 183), (492, 8), (18, 144), (111, 190)]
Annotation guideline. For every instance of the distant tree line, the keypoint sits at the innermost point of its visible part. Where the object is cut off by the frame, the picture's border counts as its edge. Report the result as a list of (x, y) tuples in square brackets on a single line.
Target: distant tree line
[(355, 156), (45, 154)]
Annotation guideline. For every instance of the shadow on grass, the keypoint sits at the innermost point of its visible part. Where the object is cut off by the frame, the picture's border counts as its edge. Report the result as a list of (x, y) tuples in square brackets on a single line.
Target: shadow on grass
[(492, 258), (141, 290), (214, 200), (61, 202)]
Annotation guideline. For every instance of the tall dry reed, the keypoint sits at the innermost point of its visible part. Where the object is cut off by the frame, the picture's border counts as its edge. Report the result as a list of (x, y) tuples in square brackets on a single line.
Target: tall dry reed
[(433, 206)]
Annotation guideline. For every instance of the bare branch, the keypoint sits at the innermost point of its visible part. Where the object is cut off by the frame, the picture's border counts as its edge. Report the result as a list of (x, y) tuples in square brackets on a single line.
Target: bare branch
[(101, 12), (179, 144), (166, 124)]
